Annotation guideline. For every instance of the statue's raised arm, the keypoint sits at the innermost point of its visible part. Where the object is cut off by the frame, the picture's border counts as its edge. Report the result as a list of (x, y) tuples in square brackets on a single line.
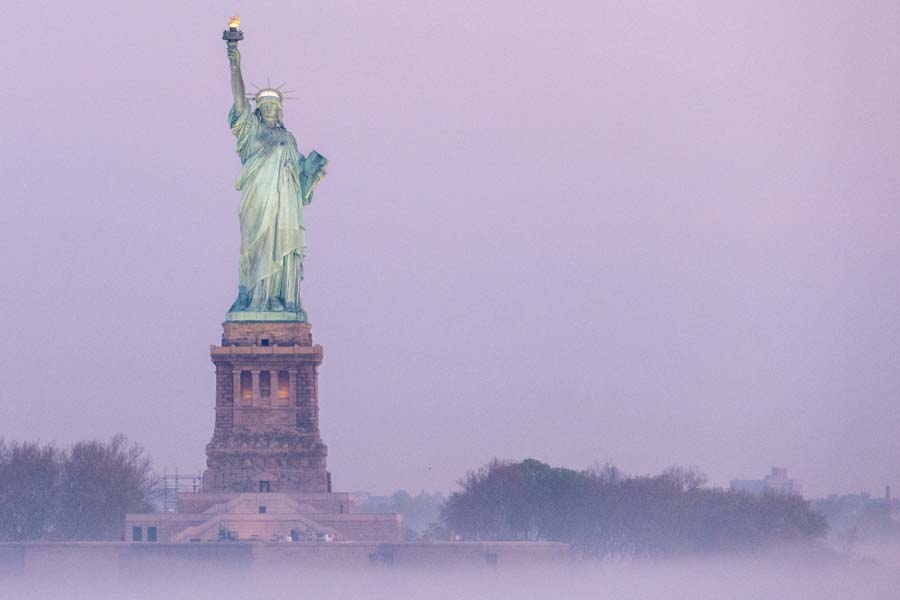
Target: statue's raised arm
[(237, 79)]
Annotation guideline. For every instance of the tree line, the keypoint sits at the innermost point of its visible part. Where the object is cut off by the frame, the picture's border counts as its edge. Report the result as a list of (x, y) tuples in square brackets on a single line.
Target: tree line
[(83, 492), (604, 513), (78, 493)]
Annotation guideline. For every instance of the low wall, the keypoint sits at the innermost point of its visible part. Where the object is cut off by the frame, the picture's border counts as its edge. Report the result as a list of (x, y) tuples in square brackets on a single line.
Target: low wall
[(336, 502), (124, 560), (364, 526)]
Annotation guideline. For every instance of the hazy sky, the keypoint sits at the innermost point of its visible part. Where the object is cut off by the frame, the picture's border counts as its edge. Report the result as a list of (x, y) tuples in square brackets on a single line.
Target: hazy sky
[(650, 233)]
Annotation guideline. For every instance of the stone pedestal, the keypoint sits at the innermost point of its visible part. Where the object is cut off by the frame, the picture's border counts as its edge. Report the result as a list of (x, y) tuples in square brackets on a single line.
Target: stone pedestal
[(266, 436)]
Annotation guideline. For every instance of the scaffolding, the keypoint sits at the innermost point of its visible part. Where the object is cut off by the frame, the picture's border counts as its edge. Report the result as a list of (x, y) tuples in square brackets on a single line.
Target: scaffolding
[(174, 483)]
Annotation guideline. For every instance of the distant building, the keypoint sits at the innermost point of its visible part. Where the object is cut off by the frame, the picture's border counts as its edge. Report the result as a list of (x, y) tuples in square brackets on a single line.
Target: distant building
[(776, 481)]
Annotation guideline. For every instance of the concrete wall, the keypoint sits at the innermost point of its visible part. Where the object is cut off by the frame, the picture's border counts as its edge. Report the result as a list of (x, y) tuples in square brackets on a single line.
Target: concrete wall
[(364, 526), (192, 502), (117, 560), (167, 524)]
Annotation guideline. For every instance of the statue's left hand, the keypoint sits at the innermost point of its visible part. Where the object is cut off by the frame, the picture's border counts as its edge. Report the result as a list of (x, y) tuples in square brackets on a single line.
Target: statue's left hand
[(320, 175)]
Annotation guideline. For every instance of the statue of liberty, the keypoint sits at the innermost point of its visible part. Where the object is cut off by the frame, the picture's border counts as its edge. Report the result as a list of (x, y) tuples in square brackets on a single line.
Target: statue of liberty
[(275, 182)]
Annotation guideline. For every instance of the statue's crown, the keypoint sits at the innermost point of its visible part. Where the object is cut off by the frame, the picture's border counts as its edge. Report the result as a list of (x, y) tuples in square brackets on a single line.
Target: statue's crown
[(269, 94)]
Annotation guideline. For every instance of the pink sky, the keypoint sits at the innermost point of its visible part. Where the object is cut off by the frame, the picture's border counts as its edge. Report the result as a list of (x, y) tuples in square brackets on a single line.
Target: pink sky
[(646, 233)]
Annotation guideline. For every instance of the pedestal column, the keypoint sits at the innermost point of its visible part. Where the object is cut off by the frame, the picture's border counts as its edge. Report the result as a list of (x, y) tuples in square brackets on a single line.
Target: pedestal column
[(255, 395), (237, 395)]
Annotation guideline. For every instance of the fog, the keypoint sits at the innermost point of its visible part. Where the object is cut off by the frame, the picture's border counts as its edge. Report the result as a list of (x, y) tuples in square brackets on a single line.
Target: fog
[(780, 574)]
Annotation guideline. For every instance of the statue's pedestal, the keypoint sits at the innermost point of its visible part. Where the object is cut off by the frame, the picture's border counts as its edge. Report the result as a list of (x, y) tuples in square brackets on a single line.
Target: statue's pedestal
[(266, 436), (265, 479)]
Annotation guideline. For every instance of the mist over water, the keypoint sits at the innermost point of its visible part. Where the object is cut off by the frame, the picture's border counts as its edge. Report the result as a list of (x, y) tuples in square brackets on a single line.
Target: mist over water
[(778, 574)]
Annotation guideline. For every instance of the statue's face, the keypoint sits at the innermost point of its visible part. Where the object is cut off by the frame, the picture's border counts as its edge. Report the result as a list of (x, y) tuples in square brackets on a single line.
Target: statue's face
[(269, 113)]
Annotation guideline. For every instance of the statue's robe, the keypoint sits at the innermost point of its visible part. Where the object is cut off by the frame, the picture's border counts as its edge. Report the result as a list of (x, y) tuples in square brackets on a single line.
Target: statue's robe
[(273, 238)]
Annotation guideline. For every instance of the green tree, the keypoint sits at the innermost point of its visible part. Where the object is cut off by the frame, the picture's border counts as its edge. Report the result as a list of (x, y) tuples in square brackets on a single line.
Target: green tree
[(79, 494), (603, 513), (513, 501), (30, 475), (101, 482)]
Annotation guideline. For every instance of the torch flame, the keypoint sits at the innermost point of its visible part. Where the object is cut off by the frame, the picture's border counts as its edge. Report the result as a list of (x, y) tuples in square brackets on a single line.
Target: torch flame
[(235, 22)]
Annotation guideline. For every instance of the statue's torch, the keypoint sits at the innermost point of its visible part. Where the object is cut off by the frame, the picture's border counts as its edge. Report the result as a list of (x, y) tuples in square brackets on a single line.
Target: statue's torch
[(233, 35)]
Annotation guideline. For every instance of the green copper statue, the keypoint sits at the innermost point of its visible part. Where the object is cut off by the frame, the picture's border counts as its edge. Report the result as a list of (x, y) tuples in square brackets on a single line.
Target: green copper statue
[(275, 182)]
